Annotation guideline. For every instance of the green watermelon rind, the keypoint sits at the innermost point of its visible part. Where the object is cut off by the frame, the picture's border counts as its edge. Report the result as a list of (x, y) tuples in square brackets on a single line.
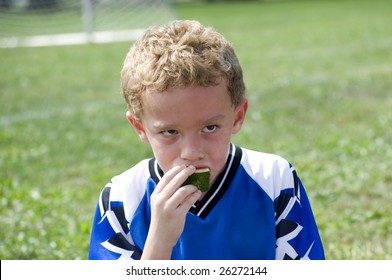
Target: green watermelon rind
[(200, 179)]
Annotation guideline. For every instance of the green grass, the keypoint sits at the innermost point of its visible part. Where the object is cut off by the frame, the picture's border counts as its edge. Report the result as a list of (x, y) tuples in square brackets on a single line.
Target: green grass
[(69, 18), (318, 77)]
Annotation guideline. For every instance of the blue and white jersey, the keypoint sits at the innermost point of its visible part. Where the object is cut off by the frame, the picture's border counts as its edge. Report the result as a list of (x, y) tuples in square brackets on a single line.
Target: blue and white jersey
[(257, 208)]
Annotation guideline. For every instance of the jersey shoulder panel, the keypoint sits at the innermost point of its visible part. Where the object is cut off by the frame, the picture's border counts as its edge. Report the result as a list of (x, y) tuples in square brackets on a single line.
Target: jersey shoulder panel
[(129, 187), (118, 202), (271, 172)]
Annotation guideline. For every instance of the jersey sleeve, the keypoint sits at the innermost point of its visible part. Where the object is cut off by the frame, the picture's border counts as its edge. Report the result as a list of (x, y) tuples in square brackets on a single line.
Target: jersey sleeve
[(297, 235), (110, 237)]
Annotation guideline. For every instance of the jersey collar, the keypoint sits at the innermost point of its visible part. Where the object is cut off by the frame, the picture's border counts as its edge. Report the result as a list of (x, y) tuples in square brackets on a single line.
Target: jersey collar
[(203, 207)]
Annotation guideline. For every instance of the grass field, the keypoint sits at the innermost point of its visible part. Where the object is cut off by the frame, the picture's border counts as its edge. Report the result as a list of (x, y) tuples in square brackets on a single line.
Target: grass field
[(17, 21), (319, 81)]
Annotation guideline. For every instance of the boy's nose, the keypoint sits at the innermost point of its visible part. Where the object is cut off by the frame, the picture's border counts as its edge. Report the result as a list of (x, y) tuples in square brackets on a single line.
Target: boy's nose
[(191, 150)]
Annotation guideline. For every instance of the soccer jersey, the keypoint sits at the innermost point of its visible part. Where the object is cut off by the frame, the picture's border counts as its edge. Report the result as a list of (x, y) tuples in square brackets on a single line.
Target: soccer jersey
[(257, 208)]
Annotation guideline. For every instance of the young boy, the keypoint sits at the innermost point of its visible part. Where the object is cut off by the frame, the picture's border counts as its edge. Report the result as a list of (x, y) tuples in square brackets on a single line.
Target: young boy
[(185, 93)]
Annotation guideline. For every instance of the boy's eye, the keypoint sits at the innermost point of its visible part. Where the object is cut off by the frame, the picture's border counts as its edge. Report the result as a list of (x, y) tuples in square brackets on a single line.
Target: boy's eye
[(169, 132), (210, 128)]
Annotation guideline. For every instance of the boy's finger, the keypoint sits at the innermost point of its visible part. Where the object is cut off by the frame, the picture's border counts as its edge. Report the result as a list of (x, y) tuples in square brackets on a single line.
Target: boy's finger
[(173, 179), (180, 196), (167, 178), (175, 183), (189, 201)]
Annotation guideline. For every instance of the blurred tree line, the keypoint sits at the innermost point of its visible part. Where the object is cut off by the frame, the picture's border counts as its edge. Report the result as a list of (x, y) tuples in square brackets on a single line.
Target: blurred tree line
[(53, 4), (31, 4), (43, 4)]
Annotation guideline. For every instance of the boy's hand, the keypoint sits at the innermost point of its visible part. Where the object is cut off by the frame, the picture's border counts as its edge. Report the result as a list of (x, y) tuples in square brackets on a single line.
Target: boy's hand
[(169, 205)]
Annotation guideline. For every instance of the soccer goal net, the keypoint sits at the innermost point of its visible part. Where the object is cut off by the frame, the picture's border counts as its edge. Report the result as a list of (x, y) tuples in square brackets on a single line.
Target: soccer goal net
[(62, 22)]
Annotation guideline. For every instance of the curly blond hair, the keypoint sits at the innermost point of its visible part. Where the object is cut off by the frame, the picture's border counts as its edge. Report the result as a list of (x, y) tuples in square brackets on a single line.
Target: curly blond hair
[(180, 54)]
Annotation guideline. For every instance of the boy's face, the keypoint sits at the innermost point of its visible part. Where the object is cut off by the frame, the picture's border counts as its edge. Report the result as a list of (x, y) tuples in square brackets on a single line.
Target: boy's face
[(191, 126)]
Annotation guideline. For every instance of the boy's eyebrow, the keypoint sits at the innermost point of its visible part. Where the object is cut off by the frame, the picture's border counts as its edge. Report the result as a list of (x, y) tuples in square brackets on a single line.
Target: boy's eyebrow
[(215, 118), (166, 125), (162, 125)]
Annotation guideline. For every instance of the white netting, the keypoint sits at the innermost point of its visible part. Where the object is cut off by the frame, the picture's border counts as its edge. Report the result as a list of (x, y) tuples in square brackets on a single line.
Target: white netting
[(56, 22)]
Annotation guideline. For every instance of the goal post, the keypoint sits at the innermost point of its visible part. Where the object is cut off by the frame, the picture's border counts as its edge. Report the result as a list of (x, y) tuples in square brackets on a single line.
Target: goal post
[(62, 22)]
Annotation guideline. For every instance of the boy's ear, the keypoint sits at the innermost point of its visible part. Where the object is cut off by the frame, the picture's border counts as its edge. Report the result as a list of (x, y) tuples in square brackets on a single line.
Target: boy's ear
[(137, 126), (239, 116)]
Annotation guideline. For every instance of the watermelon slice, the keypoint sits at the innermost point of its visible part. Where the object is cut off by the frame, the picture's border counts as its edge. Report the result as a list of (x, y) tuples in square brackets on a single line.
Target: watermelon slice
[(200, 179)]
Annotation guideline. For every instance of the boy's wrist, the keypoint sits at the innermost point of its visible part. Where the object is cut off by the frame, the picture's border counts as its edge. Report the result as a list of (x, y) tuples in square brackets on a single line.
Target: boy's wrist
[(156, 250)]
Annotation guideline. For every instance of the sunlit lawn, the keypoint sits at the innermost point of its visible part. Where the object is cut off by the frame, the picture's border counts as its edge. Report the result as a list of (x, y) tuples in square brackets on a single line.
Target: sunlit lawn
[(318, 77)]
